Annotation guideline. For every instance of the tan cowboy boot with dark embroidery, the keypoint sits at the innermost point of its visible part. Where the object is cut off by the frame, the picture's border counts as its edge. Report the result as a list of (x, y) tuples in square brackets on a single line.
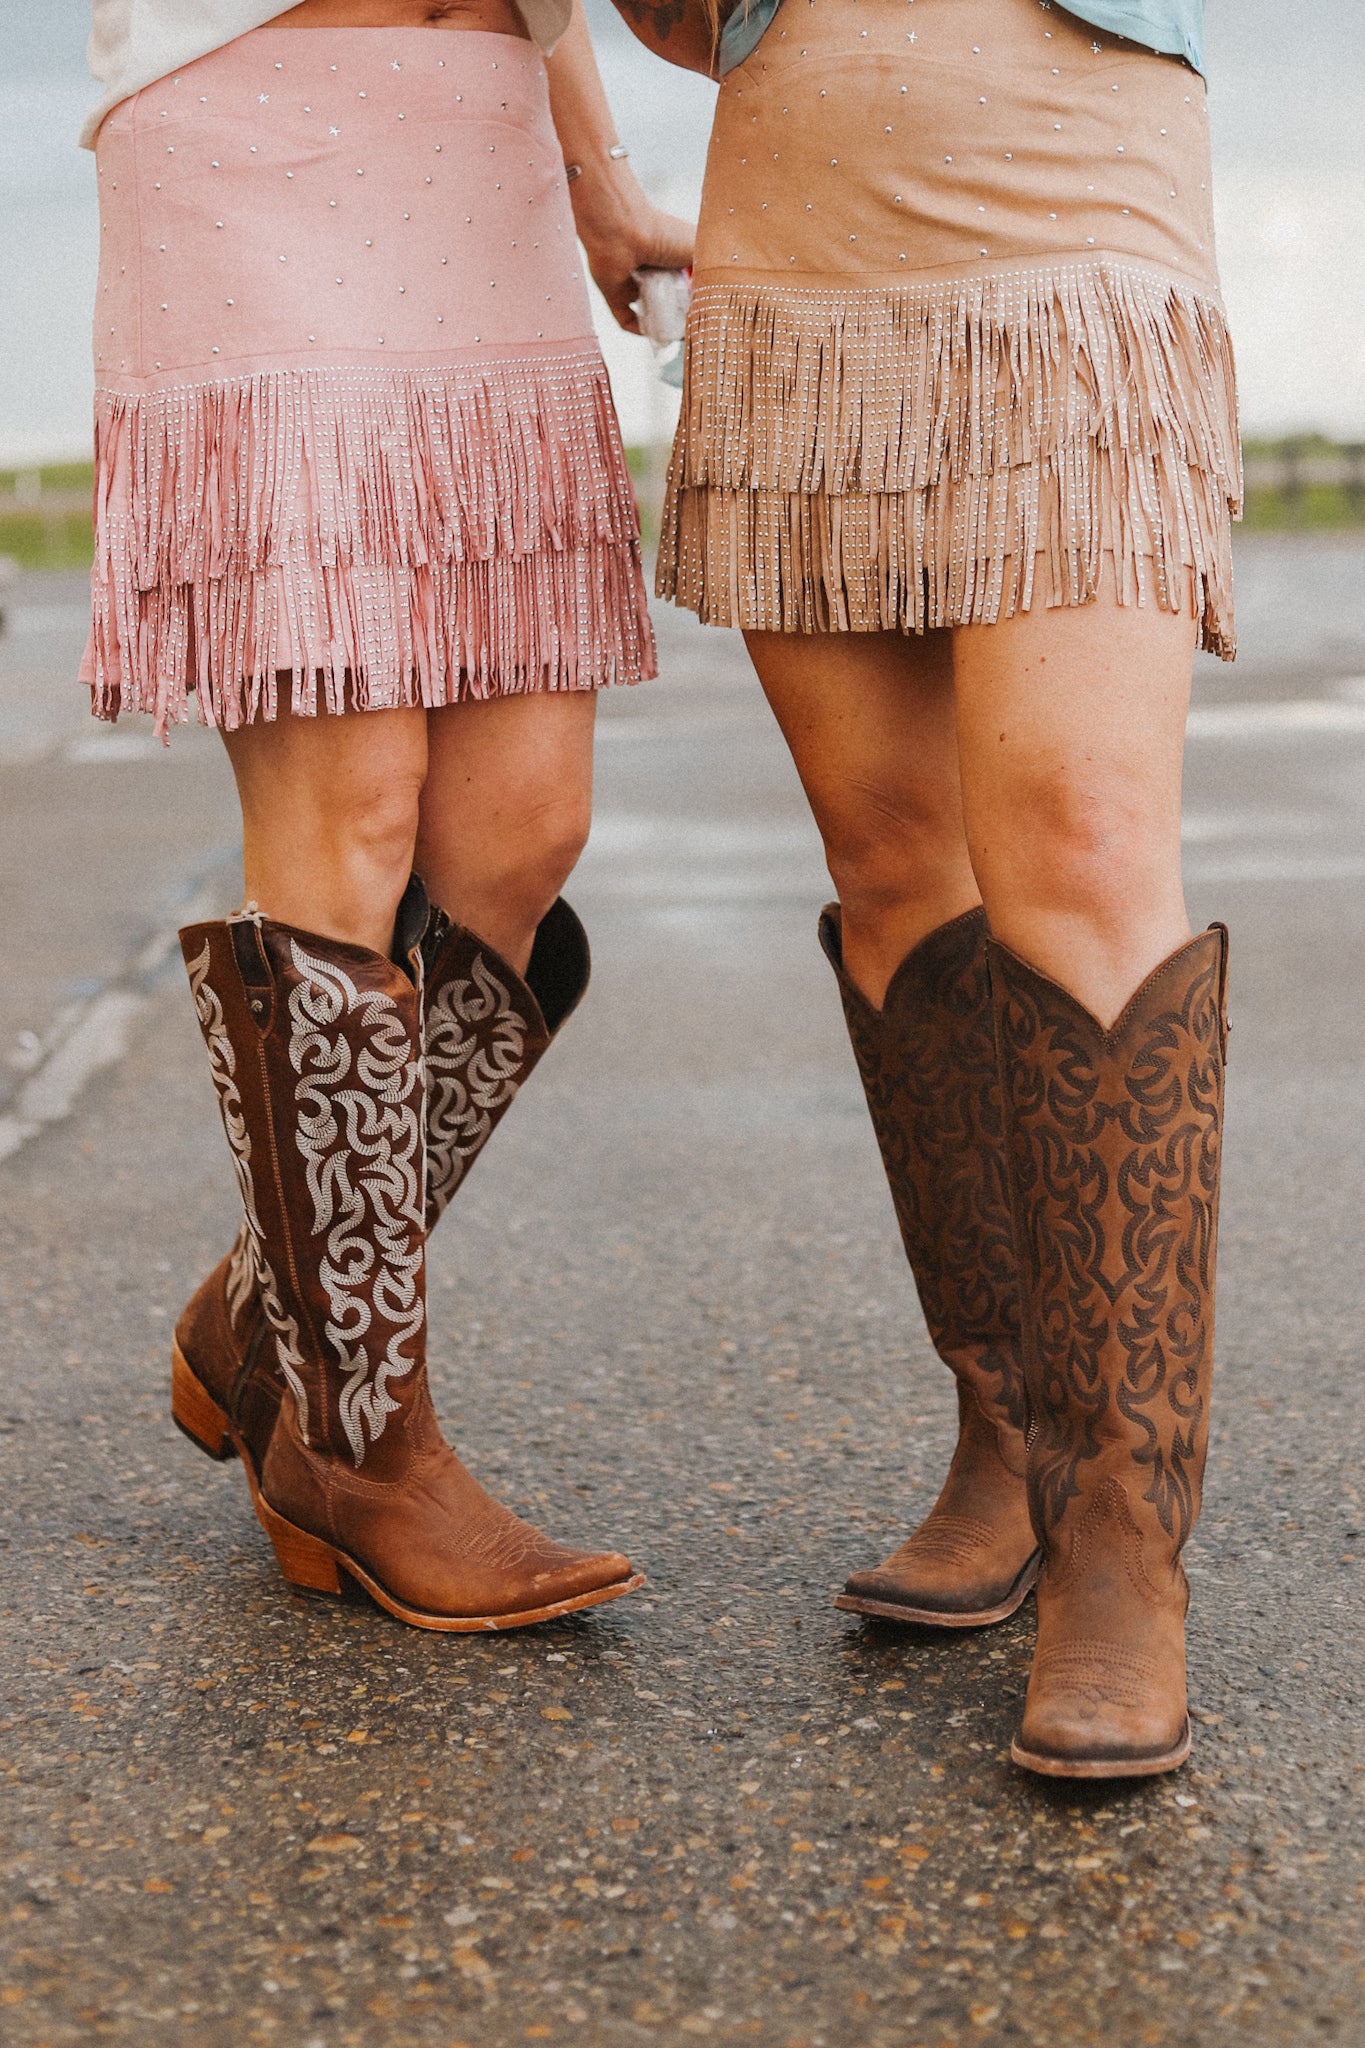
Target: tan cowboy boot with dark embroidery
[(316, 1053), (1114, 1142), (929, 1070), (485, 1030)]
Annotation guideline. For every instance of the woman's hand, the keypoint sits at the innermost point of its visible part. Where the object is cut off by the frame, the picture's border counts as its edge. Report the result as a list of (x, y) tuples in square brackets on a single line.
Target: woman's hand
[(616, 224), (628, 235)]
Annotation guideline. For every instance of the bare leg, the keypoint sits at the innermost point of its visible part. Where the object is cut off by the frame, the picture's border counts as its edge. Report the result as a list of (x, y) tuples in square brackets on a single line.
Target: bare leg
[(329, 818), (869, 721), (506, 810), (1071, 728)]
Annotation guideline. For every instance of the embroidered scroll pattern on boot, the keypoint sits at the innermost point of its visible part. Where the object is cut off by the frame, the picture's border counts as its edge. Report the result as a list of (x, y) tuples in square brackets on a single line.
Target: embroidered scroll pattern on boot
[(934, 1093), (241, 1277), (1116, 1144), (475, 1056), (359, 1101)]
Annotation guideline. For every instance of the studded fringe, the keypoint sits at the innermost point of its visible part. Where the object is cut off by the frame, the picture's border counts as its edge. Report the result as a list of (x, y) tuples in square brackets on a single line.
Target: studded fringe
[(376, 536), (952, 452)]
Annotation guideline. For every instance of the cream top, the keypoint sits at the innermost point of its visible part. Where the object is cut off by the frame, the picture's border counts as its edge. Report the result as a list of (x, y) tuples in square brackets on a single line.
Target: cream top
[(134, 42)]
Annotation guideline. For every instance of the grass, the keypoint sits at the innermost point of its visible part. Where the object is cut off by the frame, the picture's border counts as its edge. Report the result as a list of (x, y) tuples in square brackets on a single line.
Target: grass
[(1287, 491), (45, 513), (45, 520), (39, 540), (1316, 508)]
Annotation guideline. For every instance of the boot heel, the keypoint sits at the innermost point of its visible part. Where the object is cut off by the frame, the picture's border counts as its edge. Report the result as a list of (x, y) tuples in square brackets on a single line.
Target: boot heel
[(194, 1412), (303, 1560)]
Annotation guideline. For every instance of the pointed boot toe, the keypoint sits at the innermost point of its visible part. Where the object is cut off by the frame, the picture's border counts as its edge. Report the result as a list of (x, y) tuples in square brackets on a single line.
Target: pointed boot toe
[(584, 1575), (974, 1558), (945, 1578), (422, 1537), (1100, 1710)]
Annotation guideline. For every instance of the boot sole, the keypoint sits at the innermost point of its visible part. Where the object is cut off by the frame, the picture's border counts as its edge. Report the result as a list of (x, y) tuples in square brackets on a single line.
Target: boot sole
[(933, 1617), (195, 1412), (1101, 1767), (317, 1566)]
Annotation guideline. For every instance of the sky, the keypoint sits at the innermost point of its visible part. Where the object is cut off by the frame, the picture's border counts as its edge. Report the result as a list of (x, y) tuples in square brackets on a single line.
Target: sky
[(1288, 104)]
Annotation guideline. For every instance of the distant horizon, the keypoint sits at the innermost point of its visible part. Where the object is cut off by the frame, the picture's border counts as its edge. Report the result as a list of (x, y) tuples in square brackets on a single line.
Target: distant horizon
[(1289, 193)]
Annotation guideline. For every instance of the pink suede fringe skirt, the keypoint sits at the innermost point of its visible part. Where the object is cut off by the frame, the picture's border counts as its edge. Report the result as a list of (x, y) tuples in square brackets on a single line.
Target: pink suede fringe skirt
[(354, 436)]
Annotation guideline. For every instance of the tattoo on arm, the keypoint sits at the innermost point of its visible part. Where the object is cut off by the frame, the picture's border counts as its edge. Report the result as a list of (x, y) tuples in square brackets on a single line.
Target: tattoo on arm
[(660, 16)]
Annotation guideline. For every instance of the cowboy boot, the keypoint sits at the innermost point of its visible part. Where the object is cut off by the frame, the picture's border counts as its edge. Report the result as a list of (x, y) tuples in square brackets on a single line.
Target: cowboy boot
[(484, 1031), (930, 1074), (316, 1052), (1114, 1142), (225, 1374)]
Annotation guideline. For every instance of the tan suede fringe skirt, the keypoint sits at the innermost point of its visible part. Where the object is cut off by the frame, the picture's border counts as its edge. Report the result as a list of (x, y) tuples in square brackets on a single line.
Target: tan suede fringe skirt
[(957, 346)]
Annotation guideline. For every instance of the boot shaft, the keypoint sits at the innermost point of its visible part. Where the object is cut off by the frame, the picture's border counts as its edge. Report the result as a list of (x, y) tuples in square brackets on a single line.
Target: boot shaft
[(1114, 1149), (316, 1054), (929, 1070), (485, 1029)]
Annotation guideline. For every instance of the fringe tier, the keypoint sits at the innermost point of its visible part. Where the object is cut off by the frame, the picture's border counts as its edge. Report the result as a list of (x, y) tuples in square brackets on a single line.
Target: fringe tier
[(378, 536), (862, 458)]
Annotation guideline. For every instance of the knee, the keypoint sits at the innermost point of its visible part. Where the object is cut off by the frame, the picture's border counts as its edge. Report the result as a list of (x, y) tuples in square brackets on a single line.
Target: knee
[(508, 876), (882, 856), (1093, 854), (374, 841), (547, 849)]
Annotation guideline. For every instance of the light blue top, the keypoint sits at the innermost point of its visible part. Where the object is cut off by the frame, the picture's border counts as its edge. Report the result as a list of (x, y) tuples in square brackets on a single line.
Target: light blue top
[(1175, 27)]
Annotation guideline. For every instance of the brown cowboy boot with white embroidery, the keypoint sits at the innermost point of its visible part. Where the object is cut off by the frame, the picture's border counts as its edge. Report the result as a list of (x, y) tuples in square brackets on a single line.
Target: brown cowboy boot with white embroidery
[(484, 1030), (226, 1381), (929, 1071), (1114, 1141), (316, 1053)]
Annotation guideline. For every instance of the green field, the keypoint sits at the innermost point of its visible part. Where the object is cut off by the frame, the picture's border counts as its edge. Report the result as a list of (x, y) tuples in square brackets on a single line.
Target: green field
[(1287, 489), (1305, 485), (45, 516)]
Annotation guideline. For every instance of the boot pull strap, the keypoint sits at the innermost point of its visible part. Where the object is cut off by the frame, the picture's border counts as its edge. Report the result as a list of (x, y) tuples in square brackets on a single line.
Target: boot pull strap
[(1225, 1028), (252, 964)]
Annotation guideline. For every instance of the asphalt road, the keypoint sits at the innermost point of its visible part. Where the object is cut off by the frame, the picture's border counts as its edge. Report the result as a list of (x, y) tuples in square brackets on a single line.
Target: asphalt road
[(670, 1312)]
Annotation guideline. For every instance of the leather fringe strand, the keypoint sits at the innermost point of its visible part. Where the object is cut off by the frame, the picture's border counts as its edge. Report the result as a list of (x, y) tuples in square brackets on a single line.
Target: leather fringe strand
[(378, 536), (952, 452)]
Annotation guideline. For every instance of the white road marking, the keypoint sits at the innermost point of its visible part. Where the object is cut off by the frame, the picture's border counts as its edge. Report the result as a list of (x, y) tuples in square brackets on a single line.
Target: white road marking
[(99, 1039), (1294, 718), (1276, 867), (33, 620), (87, 1037), (109, 745)]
